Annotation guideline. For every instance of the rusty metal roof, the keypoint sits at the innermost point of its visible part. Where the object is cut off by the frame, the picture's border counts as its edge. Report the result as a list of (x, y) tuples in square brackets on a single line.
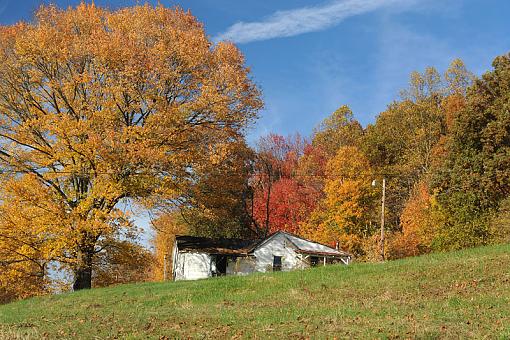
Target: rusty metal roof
[(215, 246)]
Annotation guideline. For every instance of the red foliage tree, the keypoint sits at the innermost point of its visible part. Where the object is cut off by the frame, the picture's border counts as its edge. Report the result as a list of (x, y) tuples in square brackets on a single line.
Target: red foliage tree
[(290, 203), (283, 198)]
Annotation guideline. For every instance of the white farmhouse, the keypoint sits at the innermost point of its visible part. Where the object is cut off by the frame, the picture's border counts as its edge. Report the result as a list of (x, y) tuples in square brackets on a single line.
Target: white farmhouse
[(199, 257)]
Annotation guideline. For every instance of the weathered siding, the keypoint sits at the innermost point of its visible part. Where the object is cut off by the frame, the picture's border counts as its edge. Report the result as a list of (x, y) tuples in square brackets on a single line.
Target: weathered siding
[(193, 266), (241, 265), (278, 245)]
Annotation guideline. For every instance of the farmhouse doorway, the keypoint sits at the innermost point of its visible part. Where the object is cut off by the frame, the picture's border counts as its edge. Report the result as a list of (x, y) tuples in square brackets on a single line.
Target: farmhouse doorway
[(221, 265)]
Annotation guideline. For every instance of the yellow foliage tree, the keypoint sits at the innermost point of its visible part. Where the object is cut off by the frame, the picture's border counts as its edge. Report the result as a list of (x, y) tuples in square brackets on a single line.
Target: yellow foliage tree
[(97, 106), (26, 249), (345, 214)]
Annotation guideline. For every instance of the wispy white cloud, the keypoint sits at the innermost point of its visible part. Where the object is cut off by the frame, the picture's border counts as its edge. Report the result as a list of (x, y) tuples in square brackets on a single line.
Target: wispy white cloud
[(302, 20)]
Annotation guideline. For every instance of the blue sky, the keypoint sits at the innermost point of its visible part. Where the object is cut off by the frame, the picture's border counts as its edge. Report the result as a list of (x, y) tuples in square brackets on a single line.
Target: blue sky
[(310, 57)]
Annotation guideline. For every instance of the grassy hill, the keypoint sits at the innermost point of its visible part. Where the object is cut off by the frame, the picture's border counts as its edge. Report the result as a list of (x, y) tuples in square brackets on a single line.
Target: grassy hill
[(454, 295)]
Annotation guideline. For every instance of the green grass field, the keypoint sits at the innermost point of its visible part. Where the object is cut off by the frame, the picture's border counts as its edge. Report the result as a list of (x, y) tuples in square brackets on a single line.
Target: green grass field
[(458, 295)]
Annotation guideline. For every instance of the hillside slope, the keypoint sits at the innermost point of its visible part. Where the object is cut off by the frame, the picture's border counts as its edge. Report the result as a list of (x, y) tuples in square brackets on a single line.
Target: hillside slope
[(453, 295)]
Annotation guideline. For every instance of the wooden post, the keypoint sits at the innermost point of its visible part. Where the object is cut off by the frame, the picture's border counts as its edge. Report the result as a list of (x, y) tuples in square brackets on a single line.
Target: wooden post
[(164, 267), (382, 216)]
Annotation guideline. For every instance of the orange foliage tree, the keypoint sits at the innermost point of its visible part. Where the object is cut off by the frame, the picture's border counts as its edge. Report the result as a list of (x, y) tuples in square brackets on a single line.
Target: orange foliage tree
[(99, 106), (123, 262), (417, 225), (166, 226)]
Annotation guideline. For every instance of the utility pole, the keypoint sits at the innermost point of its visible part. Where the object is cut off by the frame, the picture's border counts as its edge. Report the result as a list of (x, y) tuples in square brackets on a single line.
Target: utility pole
[(382, 216), (164, 267)]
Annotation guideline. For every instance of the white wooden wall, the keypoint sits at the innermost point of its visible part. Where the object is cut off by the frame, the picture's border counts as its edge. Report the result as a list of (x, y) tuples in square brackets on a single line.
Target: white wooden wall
[(193, 266), (277, 246)]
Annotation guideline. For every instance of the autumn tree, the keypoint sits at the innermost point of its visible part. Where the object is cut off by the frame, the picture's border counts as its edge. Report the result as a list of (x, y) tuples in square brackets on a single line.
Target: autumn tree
[(337, 130), (311, 167), (291, 201), (25, 250), (217, 203), (282, 197), (99, 106), (422, 216), (290, 171), (124, 261), (474, 179), (418, 225), (166, 226), (347, 212), (407, 140)]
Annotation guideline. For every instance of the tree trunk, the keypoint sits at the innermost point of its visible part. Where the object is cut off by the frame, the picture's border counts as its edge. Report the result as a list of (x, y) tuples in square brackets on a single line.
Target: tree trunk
[(268, 202), (83, 272)]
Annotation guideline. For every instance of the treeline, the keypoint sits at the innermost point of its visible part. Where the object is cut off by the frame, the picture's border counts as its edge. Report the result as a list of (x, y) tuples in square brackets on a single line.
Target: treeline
[(443, 149)]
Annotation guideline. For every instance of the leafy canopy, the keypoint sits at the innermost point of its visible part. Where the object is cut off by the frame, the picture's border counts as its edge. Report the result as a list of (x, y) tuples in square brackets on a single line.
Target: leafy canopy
[(97, 106)]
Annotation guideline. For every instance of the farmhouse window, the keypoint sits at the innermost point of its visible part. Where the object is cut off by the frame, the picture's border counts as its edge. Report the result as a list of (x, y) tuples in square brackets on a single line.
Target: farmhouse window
[(277, 263)]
